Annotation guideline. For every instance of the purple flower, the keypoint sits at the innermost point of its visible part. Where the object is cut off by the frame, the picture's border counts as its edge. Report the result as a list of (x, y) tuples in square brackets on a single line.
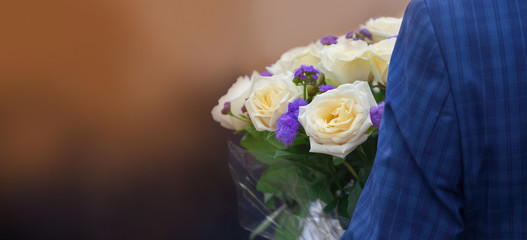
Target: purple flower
[(266, 73), (298, 71), (328, 40), (244, 109), (288, 125), (311, 69), (286, 133), (376, 114), (293, 106), (226, 108), (366, 33), (305, 74), (326, 87), (350, 34)]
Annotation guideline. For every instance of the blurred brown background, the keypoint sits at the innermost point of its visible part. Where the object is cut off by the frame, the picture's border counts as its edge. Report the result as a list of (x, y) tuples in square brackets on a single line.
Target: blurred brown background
[(105, 126)]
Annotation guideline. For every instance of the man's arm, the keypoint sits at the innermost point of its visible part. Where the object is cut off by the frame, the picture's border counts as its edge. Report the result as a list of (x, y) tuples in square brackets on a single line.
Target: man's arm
[(414, 190)]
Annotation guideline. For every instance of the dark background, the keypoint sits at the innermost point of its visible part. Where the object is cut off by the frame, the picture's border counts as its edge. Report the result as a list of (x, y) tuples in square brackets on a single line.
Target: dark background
[(105, 125)]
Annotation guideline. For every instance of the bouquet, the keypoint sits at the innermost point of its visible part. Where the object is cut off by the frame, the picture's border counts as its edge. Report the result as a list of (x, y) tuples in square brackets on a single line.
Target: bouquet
[(310, 125)]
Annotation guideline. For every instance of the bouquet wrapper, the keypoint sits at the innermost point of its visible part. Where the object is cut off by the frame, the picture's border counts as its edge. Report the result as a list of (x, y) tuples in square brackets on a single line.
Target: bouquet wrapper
[(265, 216)]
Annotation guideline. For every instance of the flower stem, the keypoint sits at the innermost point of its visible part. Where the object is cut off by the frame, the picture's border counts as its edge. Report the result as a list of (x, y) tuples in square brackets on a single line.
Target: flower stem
[(363, 154), (334, 175), (239, 118), (348, 166), (305, 91)]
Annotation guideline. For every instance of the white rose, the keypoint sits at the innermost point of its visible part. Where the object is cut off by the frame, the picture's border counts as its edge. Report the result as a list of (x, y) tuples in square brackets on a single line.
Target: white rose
[(236, 94), (381, 54), (292, 59), (269, 99), (383, 27), (345, 62), (337, 120)]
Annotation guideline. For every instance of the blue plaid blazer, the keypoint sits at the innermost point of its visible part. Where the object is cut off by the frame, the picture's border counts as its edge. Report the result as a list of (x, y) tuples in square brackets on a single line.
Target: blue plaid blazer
[(452, 151)]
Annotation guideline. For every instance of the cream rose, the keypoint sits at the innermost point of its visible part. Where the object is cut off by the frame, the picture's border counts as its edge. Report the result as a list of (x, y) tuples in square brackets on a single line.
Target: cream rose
[(292, 59), (337, 120), (381, 54), (345, 62), (236, 95), (269, 99), (383, 27)]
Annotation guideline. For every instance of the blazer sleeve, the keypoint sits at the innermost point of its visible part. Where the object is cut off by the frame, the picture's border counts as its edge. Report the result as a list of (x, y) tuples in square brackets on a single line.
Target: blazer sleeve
[(414, 190)]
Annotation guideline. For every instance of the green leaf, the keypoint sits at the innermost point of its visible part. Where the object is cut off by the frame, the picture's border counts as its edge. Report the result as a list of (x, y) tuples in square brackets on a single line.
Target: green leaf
[(290, 155), (262, 145), (301, 140), (266, 186), (321, 190), (312, 162), (288, 179), (353, 198), (261, 150), (364, 173), (379, 95), (289, 227), (265, 136), (342, 210), (269, 200), (329, 81), (337, 161), (331, 205), (370, 146), (251, 130), (370, 130)]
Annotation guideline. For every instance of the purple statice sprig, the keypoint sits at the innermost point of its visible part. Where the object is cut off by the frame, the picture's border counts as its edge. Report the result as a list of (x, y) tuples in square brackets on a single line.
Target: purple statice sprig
[(351, 34), (376, 114), (265, 73), (329, 40), (365, 33), (362, 34), (227, 110), (306, 75), (288, 126), (325, 87), (244, 109)]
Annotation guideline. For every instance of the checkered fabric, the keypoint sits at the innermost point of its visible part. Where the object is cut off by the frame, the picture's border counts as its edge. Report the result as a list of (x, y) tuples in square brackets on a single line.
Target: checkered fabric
[(452, 153)]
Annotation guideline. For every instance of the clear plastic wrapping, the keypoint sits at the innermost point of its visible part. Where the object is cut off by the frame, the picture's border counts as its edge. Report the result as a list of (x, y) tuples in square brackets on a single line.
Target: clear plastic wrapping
[(263, 215)]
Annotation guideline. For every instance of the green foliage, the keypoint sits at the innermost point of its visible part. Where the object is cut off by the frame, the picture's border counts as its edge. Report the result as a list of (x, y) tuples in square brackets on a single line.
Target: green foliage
[(295, 177), (288, 178), (353, 198), (269, 200), (331, 205), (380, 94), (262, 145), (289, 227), (342, 210), (329, 81), (337, 161), (321, 190)]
